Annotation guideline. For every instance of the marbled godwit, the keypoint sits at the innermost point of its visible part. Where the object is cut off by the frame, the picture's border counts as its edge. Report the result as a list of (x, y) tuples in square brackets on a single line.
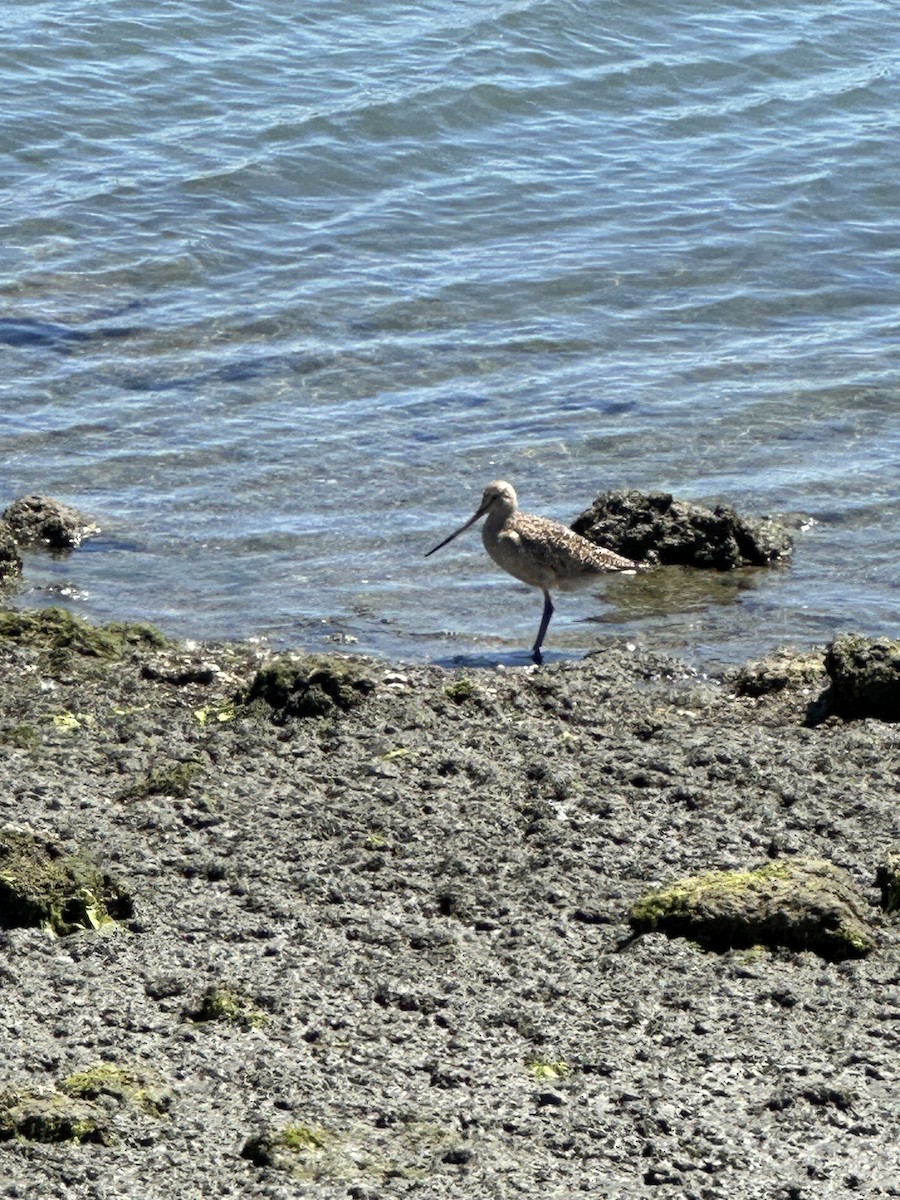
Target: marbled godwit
[(540, 552)]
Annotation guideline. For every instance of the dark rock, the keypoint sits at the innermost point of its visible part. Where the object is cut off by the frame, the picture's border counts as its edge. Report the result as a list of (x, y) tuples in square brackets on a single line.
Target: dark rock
[(656, 528), (802, 904), (314, 686), (887, 878), (865, 677), (41, 521), (42, 886), (458, 1156), (188, 674), (785, 669), (10, 563)]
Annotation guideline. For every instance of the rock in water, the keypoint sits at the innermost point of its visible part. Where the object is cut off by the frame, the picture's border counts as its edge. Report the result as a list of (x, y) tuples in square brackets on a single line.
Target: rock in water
[(659, 529), (40, 521)]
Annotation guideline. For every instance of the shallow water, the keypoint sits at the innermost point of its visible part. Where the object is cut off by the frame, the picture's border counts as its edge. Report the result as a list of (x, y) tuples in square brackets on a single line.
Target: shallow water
[(282, 293)]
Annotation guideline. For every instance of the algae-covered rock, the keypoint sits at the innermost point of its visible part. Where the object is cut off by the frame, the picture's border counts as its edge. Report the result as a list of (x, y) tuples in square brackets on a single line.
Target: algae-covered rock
[(42, 521), (171, 779), (865, 677), (221, 1003), (10, 562), (56, 629), (51, 1118), (657, 528), (127, 1085), (887, 878), (42, 886), (783, 670), (314, 686), (297, 1148), (803, 904)]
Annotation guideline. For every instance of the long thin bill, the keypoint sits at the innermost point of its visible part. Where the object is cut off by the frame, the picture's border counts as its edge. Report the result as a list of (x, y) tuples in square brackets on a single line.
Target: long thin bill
[(456, 533)]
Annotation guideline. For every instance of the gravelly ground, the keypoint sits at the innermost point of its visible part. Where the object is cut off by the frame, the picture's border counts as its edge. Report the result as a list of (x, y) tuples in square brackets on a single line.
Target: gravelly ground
[(423, 903)]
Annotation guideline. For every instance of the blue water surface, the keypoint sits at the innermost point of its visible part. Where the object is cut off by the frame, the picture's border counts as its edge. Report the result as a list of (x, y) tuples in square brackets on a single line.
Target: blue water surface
[(282, 290)]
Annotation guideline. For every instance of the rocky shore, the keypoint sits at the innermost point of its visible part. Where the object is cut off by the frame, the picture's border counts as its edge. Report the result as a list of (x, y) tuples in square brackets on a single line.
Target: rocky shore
[(331, 927)]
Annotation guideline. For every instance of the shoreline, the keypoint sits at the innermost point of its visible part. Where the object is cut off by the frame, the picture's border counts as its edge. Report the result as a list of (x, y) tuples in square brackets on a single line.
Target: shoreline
[(399, 897)]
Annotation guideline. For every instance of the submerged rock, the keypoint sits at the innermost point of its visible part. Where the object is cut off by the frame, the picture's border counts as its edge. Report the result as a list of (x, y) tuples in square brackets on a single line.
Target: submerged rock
[(656, 528), (313, 686), (42, 886), (42, 521), (865, 677), (802, 904)]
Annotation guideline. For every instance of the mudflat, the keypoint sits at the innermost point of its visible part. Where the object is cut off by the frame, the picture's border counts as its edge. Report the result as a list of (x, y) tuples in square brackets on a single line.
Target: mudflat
[(384, 930)]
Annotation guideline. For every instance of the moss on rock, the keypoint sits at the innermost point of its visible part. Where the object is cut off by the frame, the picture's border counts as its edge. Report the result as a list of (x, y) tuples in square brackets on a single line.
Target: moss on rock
[(52, 1118), (314, 686), (126, 1084), (57, 631), (783, 670), (42, 886), (174, 779), (887, 878), (803, 904), (221, 1003), (300, 1149)]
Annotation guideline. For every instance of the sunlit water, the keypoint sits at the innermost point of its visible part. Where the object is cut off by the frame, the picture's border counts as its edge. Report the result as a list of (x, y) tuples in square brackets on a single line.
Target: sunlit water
[(284, 287)]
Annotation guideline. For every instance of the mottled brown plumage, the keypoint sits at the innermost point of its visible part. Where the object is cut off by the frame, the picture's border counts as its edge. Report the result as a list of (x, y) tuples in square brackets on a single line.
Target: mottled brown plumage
[(538, 551)]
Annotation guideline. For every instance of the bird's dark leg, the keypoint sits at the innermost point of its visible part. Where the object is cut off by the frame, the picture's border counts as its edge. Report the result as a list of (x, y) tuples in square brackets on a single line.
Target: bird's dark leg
[(545, 621)]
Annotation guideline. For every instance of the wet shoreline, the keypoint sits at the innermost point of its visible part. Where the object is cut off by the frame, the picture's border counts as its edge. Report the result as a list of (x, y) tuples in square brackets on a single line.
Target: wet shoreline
[(381, 940)]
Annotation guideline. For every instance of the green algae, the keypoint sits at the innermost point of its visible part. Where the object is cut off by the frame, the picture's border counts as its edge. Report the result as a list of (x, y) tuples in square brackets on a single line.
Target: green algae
[(173, 779), (801, 904), (407, 1150), (54, 1118), (125, 1084), (296, 1148), (545, 1070), (682, 897), (20, 737), (41, 886), (461, 690), (61, 634), (221, 1003), (316, 685)]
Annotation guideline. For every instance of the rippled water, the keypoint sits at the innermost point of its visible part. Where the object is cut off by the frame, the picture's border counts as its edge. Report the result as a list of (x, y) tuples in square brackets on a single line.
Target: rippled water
[(281, 291)]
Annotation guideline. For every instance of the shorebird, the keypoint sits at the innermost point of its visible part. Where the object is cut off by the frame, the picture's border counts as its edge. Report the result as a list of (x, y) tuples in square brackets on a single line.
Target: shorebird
[(538, 551)]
